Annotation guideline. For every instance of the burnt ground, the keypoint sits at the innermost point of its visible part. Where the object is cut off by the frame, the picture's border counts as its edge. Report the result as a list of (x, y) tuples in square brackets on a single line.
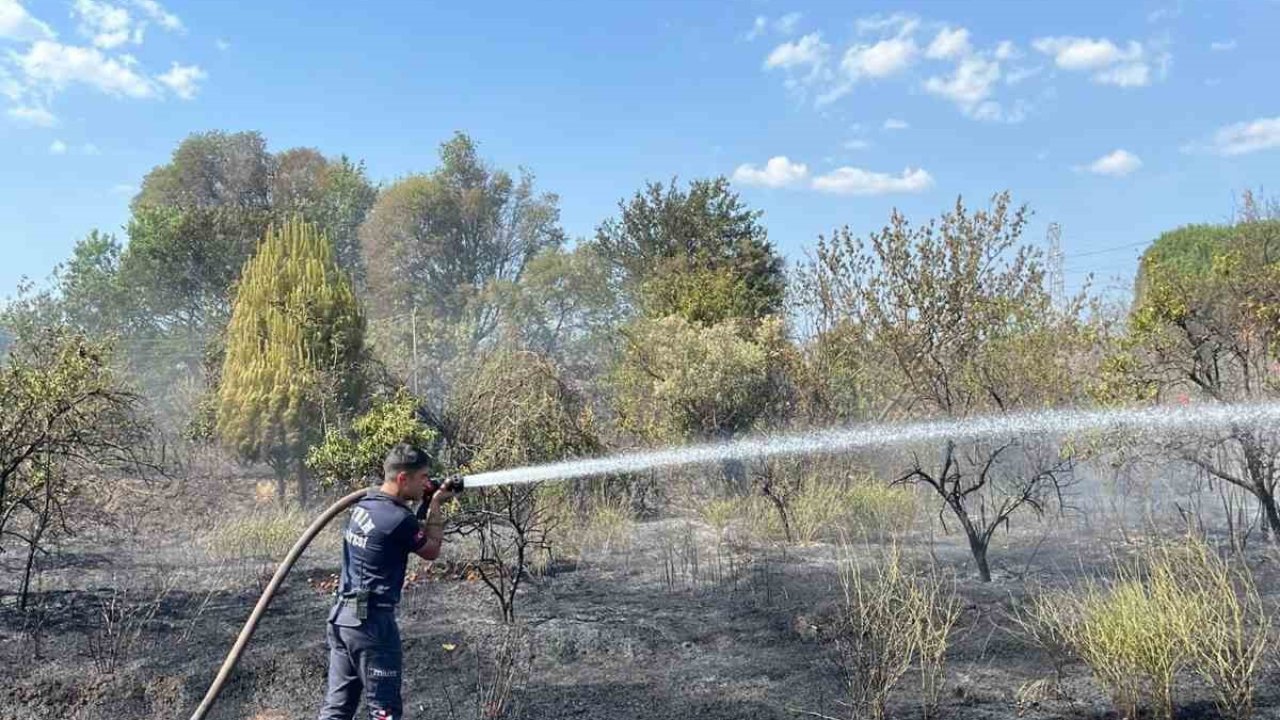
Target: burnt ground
[(679, 625)]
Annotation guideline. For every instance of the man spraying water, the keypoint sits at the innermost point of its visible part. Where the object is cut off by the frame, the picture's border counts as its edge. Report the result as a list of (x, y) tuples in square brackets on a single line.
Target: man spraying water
[(365, 656)]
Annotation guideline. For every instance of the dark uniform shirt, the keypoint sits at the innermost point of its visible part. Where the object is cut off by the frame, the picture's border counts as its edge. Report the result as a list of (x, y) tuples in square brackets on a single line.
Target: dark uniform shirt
[(381, 533)]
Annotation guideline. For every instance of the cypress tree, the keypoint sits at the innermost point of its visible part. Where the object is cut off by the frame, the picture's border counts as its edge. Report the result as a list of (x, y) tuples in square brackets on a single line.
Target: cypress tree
[(294, 349)]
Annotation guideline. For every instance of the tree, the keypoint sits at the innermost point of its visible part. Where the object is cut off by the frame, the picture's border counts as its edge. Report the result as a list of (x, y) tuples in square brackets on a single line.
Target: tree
[(348, 458), (336, 195), (435, 244), (1206, 326), (211, 170), (952, 320), (677, 381), (514, 409), (64, 417), (668, 244), (294, 350), (563, 307)]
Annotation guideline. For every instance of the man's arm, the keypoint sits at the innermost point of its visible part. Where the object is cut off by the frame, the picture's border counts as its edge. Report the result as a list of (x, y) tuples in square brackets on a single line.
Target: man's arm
[(433, 527)]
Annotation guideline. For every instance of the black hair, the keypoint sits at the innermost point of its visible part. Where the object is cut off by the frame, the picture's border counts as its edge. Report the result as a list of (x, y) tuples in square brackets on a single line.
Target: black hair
[(405, 457)]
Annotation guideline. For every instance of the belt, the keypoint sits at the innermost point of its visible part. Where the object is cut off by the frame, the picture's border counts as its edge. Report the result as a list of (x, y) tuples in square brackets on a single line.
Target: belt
[(362, 604)]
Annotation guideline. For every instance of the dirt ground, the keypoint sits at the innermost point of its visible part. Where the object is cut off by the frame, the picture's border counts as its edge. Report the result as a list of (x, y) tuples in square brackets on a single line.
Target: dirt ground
[(725, 632)]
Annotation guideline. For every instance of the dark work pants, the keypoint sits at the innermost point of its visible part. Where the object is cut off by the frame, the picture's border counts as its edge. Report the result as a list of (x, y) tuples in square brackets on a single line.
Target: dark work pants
[(364, 661)]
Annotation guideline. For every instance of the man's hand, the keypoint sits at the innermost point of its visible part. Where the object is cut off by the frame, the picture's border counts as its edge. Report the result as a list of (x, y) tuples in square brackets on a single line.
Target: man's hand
[(449, 489)]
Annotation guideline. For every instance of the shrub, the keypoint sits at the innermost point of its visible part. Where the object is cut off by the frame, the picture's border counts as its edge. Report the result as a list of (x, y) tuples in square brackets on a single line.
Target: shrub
[(891, 617), (1182, 607)]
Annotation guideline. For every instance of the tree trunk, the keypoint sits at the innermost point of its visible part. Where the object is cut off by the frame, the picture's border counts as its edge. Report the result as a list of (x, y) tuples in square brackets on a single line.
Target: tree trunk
[(1272, 517), (979, 549), (280, 486), (25, 590), (303, 485), (977, 543)]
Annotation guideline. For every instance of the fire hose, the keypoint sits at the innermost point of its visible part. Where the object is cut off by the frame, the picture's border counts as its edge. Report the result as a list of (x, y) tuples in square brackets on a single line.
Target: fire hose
[(251, 624), (454, 483)]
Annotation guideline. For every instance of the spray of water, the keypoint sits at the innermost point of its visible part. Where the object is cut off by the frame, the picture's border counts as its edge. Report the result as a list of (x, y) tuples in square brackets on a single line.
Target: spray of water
[(862, 437)]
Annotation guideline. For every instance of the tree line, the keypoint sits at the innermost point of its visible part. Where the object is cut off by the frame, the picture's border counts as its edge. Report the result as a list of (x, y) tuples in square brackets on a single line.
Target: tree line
[(284, 308)]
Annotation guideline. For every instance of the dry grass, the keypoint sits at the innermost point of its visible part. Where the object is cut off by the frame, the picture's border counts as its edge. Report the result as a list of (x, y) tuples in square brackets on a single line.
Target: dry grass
[(820, 510), (892, 617), (596, 524), (1182, 607), (254, 542)]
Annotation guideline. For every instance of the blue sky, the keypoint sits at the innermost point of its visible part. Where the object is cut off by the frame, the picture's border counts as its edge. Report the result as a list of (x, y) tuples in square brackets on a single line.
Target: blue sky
[(1115, 119)]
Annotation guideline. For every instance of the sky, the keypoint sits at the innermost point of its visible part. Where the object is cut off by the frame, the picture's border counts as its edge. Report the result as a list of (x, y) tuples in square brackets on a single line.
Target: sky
[(1116, 120)]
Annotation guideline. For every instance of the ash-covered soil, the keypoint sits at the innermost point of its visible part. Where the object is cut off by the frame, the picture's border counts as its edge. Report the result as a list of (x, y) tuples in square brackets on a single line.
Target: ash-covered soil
[(681, 624)]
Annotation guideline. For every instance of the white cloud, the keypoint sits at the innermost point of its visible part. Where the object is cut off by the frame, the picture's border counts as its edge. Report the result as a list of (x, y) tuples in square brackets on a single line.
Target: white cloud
[(1133, 75), (1017, 75), (885, 58), (1116, 164), (1110, 64), (50, 66), (949, 43), (856, 181), (1244, 137), (106, 25), (1223, 46), (807, 51), (900, 23), (856, 144), (1073, 53), (787, 23), (778, 172), (183, 80), (18, 24), (29, 115), (58, 147), (157, 13), (895, 124), (1006, 50), (969, 86)]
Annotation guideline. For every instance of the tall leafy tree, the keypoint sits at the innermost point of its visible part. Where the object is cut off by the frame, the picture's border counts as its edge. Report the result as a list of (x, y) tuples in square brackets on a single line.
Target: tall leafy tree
[(335, 194), (700, 253), (293, 354), (1206, 326), (435, 244)]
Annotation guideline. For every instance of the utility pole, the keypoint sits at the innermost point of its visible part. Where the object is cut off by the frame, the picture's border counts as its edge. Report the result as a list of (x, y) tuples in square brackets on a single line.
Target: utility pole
[(1056, 282), (413, 323)]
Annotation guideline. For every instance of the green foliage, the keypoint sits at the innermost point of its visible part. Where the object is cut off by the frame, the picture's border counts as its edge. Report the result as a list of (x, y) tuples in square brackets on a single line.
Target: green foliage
[(563, 306), (438, 243), (1187, 252), (336, 195), (1181, 606), (64, 416), (294, 349), (700, 253), (348, 458), (516, 408), (677, 380), (211, 170)]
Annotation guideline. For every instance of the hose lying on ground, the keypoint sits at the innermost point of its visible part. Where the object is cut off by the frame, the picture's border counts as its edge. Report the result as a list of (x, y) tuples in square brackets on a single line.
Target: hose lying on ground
[(252, 623)]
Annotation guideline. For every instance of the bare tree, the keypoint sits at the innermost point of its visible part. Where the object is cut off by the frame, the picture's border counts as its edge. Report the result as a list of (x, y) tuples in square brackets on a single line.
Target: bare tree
[(953, 320)]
